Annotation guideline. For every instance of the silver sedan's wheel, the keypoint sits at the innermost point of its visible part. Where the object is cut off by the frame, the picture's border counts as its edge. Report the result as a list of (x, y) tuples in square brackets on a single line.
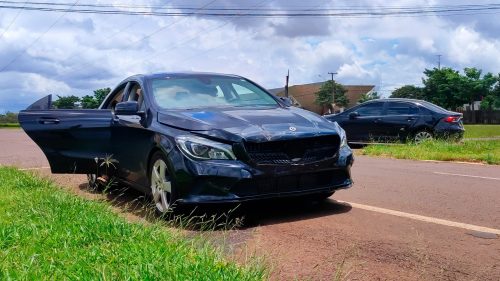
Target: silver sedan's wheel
[(161, 186), (422, 136)]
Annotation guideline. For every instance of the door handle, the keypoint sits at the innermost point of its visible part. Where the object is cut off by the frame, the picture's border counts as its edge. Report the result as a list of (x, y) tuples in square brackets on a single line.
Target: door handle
[(411, 118), (377, 120), (46, 121)]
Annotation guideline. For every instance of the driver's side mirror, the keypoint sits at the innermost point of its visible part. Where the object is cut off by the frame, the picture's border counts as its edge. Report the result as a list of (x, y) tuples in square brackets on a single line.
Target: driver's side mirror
[(287, 101), (127, 108), (353, 115)]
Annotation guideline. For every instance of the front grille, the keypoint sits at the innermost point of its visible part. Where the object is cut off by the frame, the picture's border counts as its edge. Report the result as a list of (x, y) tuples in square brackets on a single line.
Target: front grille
[(295, 151), (290, 183)]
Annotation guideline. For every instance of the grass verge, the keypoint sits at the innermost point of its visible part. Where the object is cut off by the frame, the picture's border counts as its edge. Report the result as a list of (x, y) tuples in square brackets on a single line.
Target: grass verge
[(47, 233), (10, 125), (481, 131), (468, 151)]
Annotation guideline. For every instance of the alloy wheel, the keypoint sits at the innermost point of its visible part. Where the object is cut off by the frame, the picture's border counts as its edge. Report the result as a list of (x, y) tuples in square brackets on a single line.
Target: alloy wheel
[(161, 186), (422, 136)]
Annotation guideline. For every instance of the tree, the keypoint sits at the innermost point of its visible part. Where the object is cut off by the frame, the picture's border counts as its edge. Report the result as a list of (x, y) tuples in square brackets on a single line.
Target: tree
[(492, 98), (474, 87), (8, 117), (443, 87), (95, 100), (89, 102), (100, 94), (408, 92), (368, 96), (324, 96), (67, 102)]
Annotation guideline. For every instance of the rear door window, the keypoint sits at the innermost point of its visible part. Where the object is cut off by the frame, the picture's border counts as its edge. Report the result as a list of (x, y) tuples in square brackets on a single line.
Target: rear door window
[(371, 109), (401, 108)]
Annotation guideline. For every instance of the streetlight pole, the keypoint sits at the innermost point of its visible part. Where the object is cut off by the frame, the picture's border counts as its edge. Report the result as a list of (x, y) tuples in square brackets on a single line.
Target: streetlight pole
[(333, 89)]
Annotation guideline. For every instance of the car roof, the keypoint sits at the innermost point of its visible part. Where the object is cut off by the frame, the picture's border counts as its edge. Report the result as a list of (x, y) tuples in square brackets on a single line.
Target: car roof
[(395, 99), (180, 74), (423, 103)]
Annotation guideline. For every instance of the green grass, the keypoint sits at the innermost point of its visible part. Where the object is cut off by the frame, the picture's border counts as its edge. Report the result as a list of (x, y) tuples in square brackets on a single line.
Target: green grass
[(482, 131), (9, 125), (468, 151), (47, 233)]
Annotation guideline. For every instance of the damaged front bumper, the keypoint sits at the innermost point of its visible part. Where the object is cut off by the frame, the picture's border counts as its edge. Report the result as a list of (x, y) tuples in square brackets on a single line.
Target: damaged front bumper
[(215, 181)]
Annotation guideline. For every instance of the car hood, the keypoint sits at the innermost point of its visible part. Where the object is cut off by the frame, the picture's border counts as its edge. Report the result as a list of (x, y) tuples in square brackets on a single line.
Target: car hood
[(255, 124)]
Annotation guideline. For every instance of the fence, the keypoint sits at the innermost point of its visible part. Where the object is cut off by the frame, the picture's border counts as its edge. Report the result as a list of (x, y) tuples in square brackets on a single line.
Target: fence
[(481, 116)]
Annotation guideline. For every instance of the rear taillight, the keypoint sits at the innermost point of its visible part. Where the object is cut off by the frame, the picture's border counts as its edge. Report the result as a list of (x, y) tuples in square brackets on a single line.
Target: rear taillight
[(451, 119)]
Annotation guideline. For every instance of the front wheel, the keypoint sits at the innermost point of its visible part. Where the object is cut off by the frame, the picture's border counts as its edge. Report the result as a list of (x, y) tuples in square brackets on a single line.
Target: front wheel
[(161, 184)]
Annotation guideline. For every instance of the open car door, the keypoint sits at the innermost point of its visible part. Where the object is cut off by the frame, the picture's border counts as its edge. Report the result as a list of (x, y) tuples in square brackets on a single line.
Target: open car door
[(73, 140)]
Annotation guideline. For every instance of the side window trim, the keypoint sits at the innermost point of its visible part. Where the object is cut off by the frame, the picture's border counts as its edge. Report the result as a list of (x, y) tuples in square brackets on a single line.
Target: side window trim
[(126, 93), (119, 89)]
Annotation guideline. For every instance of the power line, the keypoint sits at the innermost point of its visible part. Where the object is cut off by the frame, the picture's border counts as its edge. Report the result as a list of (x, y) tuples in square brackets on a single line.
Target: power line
[(266, 13), (34, 41), (13, 20), (154, 32), (197, 35), (110, 37), (305, 8)]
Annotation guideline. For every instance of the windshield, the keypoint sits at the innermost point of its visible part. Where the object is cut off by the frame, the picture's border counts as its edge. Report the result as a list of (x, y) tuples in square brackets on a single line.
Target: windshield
[(208, 91)]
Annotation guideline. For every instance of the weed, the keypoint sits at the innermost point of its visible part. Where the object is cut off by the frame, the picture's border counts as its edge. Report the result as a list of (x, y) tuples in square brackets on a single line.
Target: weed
[(102, 179), (470, 151), (482, 131), (347, 264), (47, 233), (10, 125)]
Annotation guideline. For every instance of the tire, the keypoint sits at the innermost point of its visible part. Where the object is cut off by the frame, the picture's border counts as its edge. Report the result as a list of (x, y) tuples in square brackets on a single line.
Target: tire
[(162, 189), (321, 196), (421, 136)]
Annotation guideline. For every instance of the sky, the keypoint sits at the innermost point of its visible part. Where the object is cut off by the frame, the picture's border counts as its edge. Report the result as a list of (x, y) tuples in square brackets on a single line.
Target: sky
[(64, 53)]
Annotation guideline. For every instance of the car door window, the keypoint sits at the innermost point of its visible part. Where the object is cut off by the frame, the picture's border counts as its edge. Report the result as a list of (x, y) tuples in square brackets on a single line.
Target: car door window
[(401, 108), (115, 97), (414, 109), (371, 109)]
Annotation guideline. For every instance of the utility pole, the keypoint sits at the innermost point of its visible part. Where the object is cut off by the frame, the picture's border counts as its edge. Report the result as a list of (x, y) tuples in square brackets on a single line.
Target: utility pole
[(286, 83), (333, 89), (439, 61)]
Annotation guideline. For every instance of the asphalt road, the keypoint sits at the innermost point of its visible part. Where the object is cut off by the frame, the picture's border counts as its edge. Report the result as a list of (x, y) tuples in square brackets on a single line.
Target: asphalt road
[(402, 219)]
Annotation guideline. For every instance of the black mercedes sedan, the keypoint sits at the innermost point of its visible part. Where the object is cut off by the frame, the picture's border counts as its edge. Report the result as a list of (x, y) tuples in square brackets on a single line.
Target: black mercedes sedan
[(398, 120), (195, 138)]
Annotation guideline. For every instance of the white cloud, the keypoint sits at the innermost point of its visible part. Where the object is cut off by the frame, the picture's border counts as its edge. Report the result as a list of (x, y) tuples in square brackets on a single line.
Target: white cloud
[(468, 47), (32, 82), (84, 52), (21, 89)]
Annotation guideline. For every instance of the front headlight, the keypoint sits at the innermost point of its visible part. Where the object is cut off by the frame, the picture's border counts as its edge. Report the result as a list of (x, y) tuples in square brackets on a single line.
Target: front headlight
[(204, 149), (343, 140), (342, 134)]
